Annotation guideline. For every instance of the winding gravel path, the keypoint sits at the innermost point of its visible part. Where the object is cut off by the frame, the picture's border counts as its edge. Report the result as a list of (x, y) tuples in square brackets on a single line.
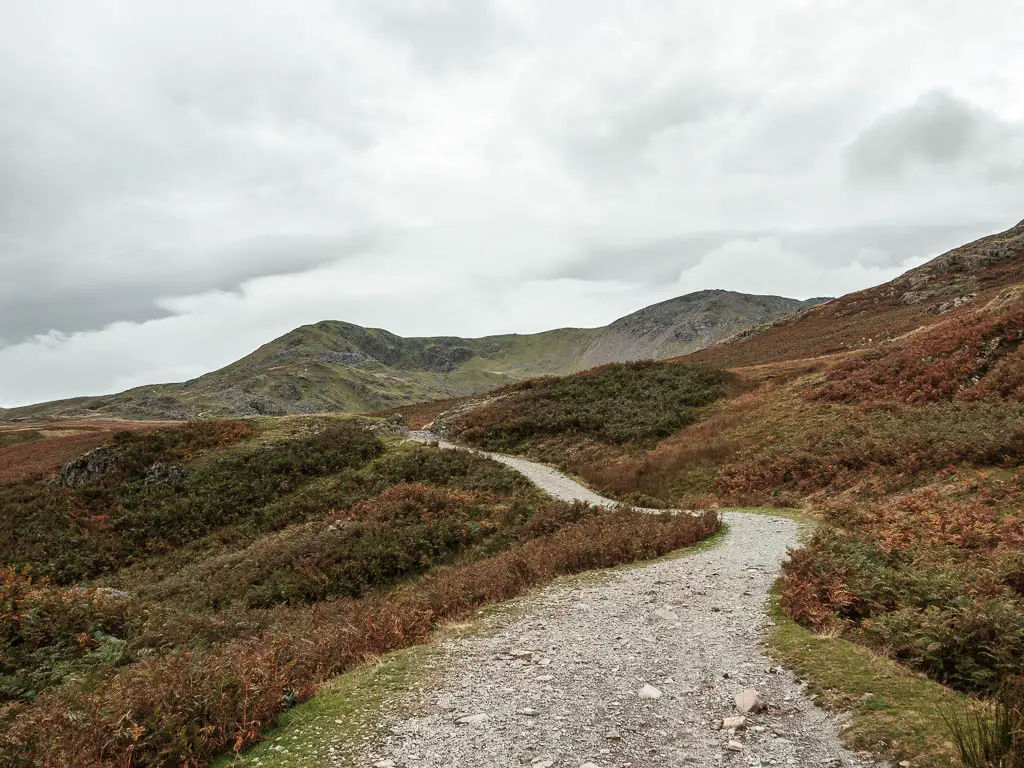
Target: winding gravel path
[(555, 681), (544, 477)]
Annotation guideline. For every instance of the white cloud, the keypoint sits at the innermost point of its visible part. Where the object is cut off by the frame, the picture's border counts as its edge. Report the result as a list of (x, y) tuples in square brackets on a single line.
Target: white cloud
[(181, 181), (765, 266)]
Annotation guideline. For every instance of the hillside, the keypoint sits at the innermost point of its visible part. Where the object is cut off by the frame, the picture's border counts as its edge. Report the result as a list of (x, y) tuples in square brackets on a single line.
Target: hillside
[(336, 366), (895, 416), (200, 579), (966, 276)]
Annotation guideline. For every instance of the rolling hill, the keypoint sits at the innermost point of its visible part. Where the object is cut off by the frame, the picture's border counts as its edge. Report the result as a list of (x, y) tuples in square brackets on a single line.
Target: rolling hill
[(337, 366), (895, 417)]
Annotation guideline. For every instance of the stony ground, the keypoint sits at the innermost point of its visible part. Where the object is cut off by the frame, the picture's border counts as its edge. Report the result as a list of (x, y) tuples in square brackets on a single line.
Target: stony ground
[(633, 667), (551, 480)]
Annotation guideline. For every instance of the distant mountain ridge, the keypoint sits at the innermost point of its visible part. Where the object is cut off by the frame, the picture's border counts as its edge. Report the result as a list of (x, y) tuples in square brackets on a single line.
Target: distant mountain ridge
[(338, 366)]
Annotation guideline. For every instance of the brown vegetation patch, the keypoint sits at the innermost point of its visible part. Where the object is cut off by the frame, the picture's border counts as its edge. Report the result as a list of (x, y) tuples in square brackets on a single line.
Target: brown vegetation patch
[(54, 444), (970, 275), (186, 707), (972, 355)]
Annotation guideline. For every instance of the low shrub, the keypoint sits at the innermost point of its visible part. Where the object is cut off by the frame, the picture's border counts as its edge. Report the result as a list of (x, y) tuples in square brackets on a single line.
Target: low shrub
[(140, 508), (973, 355), (453, 469), (948, 618), (403, 531), (814, 446), (186, 707), (48, 634), (623, 403)]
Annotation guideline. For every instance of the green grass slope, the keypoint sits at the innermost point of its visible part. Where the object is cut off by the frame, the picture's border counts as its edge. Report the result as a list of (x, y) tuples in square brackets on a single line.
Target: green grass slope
[(337, 366)]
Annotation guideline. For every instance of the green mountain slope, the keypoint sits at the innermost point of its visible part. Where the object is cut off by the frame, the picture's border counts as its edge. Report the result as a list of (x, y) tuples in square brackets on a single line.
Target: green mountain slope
[(337, 366)]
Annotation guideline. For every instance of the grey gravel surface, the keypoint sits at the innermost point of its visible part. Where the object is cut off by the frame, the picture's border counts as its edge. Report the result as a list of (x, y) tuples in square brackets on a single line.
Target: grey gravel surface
[(557, 679), (544, 477)]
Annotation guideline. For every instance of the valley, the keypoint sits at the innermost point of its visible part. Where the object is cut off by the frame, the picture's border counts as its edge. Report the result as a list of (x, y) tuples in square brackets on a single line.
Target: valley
[(176, 591)]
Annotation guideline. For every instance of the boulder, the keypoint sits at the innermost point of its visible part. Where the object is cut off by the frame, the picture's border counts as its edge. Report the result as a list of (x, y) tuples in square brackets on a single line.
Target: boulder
[(89, 467), (750, 702), (666, 614), (734, 723), (392, 425), (159, 472)]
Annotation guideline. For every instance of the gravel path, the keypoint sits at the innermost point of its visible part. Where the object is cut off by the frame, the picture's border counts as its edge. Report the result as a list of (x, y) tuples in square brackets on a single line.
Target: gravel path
[(544, 477), (556, 680)]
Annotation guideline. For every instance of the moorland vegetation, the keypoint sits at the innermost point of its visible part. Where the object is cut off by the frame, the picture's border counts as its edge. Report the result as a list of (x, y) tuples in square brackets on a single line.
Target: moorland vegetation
[(164, 598)]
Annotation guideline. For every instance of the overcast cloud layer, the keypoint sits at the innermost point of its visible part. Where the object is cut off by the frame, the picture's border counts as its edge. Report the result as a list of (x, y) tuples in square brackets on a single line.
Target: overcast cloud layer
[(182, 181)]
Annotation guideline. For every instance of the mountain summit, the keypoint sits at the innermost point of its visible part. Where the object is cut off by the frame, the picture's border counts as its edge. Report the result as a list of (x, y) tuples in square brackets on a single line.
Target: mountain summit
[(338, 366)]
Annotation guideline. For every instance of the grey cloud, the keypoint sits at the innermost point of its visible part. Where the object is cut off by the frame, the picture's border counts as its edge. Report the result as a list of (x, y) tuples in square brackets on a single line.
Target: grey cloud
[(609, 138), (40, 293), (443, 33), (162, 149), (939, 129), (660, 262)]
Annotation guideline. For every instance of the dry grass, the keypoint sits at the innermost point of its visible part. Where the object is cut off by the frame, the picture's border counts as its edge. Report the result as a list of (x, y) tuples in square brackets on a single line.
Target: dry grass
[(185, 707), (972, 355), (51, 445)]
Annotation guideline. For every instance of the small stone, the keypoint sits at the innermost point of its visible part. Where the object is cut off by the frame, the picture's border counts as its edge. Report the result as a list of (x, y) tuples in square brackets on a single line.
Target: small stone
[(545, 678), (544, 662), (590, 765), (904, 764), (542, 763), (750, 701), (516, 654), (734, 746), (666, 614), (613, 736), (649, 692), (528, 711), (384, 764), (473, 719), (734, 723)]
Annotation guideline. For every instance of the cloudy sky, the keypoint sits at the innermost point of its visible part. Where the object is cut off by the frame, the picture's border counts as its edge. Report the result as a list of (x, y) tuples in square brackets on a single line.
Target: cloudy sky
[(182, 181)]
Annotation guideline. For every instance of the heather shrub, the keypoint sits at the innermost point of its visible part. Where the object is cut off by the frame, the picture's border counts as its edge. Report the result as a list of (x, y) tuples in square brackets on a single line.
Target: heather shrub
[(973, 355), (454, 469), (50, 633), (948, 619), (133, 453), (129, 514), (402, 532), (187, 706), (623, 403)]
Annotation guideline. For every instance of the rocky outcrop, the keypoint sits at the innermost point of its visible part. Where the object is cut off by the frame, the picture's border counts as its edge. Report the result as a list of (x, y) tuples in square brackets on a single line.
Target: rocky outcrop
[(392, 425), (89, 467)]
